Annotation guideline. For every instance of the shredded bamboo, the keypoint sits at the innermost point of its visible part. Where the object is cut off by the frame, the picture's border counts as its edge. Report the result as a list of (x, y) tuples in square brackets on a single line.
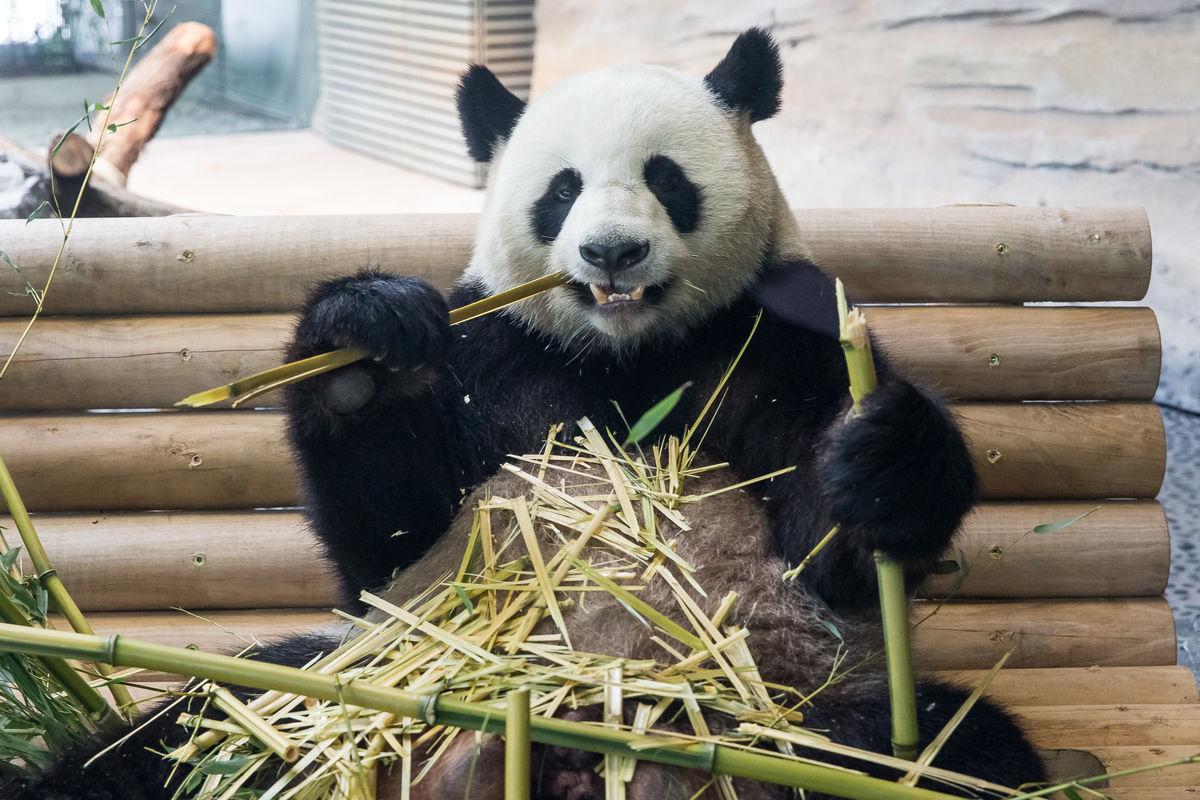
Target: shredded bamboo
[(496, 626)]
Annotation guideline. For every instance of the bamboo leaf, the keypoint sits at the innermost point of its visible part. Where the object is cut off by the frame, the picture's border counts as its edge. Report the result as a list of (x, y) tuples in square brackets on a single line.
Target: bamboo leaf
[(829, 626), (1053, 527), (227, 766), (34, 214), (98, 7), (654, 417)]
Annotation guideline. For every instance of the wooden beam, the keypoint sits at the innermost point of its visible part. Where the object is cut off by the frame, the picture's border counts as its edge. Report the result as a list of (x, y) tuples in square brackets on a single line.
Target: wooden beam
[(1045, 633), (1120, 549), (150, 362), (224, 264), (192, 560), (239, 459), (1085, 686)]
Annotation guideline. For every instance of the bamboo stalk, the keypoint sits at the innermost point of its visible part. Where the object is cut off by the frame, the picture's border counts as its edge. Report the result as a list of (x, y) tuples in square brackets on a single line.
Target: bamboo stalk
[(260, 383), (516, 746), (708, 756), (70, 680), (48, 577), (893, 601)]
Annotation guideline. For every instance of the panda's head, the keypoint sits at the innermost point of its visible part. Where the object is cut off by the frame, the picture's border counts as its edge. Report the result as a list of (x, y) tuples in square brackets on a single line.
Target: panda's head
[(644, 185)]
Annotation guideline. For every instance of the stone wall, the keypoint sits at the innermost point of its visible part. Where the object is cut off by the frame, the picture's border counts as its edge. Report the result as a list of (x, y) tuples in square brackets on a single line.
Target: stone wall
[(921, 102)]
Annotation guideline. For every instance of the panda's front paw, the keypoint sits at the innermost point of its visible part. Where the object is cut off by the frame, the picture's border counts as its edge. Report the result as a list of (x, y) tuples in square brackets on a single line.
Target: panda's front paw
[(400, 322), (898, 476)]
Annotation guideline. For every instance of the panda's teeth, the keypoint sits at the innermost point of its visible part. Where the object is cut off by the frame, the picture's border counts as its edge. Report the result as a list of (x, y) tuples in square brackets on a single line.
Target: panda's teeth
[(604, 297)]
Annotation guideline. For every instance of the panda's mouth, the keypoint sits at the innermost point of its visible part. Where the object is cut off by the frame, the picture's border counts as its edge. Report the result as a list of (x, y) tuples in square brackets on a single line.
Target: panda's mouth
[(608, 296)]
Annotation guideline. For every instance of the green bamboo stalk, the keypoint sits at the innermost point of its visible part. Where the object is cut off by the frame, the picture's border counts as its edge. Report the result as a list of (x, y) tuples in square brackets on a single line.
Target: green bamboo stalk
[(48, 577), (707, 756), (516, 746), (893, 600), (70, 680)]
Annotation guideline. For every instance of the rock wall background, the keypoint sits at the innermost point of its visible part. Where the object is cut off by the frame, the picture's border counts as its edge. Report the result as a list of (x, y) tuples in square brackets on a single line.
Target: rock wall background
[(928, 102)]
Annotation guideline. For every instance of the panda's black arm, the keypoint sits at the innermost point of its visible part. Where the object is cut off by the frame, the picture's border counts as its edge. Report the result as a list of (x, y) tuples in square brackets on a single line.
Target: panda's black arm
[(385, 446), (896, 478)]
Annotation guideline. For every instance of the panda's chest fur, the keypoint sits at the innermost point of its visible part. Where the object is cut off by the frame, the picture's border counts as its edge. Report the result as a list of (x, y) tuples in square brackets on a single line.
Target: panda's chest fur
[(521, 383)]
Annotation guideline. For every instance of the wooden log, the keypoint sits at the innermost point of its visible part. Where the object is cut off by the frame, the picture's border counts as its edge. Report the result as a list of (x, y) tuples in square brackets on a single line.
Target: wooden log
[(238, 459), (1177, 792), (1084, 686), (197, 561), (150, 461), (256, 559), (1081, 449), (149, 90), (1148, 754), (137, 362), (1095, 627), (1025, 354), (1087, 727), (205, 264), (102, 198), (1120, 549), (1045, 633), (150, 362)]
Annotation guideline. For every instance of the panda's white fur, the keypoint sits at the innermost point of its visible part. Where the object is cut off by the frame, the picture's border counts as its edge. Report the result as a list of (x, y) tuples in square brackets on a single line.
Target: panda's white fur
[(606, 124)]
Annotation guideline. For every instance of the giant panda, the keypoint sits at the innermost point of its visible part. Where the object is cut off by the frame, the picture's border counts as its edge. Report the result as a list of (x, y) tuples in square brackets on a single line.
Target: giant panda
[(647, 188)]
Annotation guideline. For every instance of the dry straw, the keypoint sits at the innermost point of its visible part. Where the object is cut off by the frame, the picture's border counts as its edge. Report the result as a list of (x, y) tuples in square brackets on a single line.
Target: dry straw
[(496, 626)]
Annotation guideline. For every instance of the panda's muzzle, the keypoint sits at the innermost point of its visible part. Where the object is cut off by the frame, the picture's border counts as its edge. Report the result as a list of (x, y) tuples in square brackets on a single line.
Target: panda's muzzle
[(613, 258)]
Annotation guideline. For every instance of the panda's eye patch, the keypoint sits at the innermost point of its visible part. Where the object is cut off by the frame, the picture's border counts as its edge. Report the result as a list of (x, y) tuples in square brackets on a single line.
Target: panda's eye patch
[(679, 196), (551, 209)]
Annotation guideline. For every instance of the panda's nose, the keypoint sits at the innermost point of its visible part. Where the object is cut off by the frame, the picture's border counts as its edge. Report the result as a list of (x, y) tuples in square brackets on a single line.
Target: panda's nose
[(614, 257)]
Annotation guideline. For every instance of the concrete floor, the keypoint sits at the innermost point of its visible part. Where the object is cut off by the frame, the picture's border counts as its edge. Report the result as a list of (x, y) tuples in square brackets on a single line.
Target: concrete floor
[(286, 172)]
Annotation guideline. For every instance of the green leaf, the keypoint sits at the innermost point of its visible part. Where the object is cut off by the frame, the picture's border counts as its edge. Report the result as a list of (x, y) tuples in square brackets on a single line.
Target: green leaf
[(34, 214), (8, 559), (147, 37), (652, 418), (466, 601), (1071, 792), (829, 626), (223, 767), (1051, 527), (98, 7)]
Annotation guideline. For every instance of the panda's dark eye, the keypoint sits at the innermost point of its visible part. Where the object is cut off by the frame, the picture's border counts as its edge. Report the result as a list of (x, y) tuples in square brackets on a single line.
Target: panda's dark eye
[(679, 196), (551, 209), (566, 192), (566, 186)]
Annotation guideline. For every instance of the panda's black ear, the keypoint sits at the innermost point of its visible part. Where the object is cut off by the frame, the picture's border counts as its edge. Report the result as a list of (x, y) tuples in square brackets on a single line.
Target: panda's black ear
[(750, 76), (486, 110)]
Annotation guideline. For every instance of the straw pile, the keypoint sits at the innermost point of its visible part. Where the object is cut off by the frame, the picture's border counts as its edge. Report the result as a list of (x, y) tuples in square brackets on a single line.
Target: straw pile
[(592, 536)]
